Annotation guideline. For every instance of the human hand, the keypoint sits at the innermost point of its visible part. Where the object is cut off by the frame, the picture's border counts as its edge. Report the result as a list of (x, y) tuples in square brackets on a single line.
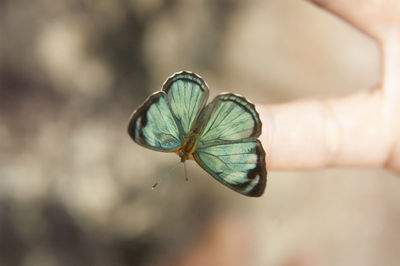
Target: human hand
[(362, 129)]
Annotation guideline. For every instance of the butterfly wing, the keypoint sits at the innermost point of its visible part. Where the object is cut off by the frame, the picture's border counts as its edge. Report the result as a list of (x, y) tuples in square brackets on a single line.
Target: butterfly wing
[(162, 122), (187, 95), (229, 117), (228, 148), (239, 165), (153, 125)]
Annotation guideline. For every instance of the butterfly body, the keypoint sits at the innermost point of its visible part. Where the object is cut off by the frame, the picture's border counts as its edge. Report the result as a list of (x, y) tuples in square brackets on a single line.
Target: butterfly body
[(189, 145), (220, 136)]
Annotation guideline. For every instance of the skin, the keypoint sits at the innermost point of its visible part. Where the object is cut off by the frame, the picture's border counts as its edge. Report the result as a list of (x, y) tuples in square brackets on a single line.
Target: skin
[(362, 129)]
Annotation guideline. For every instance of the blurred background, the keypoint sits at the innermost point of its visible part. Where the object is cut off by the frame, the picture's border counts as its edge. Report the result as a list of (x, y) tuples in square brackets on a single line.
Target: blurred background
[(74, 188)]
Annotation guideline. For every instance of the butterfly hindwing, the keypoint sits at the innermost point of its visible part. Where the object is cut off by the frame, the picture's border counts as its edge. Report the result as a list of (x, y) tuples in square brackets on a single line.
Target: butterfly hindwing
[(240, 165), (165, 118)]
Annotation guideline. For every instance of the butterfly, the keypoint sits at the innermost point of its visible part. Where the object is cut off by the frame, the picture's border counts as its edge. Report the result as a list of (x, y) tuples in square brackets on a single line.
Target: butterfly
[(220, 136)]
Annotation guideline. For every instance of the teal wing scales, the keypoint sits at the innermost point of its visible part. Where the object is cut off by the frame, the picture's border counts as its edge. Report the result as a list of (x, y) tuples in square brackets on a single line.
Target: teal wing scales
[(239, 165), (165, 118), (229, 117), (228, 148), (187, 95), (153, 125)]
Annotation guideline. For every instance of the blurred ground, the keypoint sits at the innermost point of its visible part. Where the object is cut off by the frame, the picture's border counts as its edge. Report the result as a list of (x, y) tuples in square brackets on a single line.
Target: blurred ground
[(75, 190)]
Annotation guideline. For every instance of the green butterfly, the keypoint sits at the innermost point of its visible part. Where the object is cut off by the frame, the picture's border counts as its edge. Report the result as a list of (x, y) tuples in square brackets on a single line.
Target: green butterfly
[(221, 136)]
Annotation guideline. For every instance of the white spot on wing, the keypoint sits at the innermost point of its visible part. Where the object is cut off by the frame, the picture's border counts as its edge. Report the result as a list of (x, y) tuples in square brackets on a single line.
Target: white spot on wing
[(252, 184)]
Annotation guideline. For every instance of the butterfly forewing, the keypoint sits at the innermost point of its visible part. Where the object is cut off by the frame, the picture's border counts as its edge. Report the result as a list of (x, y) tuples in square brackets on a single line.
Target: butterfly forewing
[(187, 95), (165, 118), (153, 125), (229, 117)]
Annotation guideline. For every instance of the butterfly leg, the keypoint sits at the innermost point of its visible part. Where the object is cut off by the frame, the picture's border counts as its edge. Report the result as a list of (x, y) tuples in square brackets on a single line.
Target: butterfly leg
[(184, 166)]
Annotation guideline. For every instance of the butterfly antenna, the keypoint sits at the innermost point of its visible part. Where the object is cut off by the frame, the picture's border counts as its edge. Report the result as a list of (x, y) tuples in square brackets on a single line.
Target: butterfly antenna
[(184, 166), (162, 176)]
